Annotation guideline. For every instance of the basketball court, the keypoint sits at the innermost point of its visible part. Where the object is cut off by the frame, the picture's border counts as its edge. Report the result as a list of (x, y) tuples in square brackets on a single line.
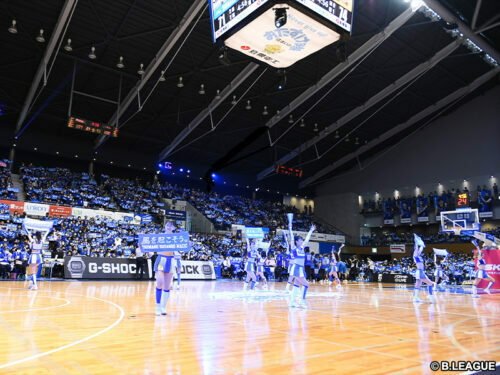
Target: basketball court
[(213, 327)]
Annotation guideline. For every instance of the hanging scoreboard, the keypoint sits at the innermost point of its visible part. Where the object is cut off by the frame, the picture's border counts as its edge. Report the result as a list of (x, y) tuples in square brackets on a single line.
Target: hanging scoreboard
[(280, 32), (337, 11), (226, 14), (92, 126)]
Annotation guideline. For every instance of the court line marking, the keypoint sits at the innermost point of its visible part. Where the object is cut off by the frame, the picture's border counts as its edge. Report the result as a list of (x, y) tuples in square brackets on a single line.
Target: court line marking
[(49, 352), (450, 333), (41, 308)]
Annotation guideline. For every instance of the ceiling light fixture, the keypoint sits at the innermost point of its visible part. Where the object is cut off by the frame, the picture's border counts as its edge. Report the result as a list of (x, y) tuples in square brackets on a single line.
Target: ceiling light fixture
[(248, 106), (141, 69), (40, 38), (180, 84), (13, 29), (201, 91), (162, 77), (290, 119), (92, 54), (234, 102), (264, 112), (120, 64), (302, 123), (337, 135), (68, 47), (316, 127)]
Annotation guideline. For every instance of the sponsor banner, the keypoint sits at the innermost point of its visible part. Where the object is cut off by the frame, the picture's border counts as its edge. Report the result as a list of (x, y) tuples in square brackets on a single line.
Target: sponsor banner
[(398, 249), (164, 242), (125, 269), (405, 220), (389, 221), (197, 270), (486, 214), (492, 259), (60, 211), (36, 209), (319, 237), (99, 268), (395, 278), (423, 219), (175, 215), (284, 46)]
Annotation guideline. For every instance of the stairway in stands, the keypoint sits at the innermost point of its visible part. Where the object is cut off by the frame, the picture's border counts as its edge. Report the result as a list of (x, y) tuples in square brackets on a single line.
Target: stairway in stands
[(18, 183)]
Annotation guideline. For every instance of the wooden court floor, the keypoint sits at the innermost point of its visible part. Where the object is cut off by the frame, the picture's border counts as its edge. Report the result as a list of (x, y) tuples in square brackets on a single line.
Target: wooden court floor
[(213, 328)]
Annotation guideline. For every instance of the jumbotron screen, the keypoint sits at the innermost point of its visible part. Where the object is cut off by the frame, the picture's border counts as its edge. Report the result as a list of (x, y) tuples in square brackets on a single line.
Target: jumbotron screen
[(226, 14)]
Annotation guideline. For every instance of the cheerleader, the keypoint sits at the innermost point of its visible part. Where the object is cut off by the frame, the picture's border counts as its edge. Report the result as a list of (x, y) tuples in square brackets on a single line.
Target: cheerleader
[(439, 272), (297, 269), (250, 266), (481, 273), (334, 267), (261, 263), (178, 267), (289, 253), (164, 268), (35, 258), (420, 275)]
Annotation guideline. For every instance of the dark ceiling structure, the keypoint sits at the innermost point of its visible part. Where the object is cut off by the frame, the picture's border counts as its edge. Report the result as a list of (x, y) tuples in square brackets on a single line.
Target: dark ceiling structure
[(173, 100)]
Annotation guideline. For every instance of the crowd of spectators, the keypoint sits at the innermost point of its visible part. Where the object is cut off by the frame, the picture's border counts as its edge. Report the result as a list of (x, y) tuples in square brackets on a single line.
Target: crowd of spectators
[(105, 238), (62, 187), (230, 209), (133, 196), (482, 198), (386, 237), (7, 191), (458, 267)]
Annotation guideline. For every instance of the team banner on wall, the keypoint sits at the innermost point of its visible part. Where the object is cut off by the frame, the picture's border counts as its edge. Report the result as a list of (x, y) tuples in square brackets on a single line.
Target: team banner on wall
[(492, 259), (405, 211), (154, 243), (398, 249)]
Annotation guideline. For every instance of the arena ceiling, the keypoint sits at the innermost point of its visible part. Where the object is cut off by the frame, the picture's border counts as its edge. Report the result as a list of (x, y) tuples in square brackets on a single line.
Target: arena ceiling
[(137, 29)]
